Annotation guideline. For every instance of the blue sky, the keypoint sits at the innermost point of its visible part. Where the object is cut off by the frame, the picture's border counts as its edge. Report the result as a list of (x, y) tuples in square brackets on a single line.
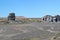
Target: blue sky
[(29, 8)]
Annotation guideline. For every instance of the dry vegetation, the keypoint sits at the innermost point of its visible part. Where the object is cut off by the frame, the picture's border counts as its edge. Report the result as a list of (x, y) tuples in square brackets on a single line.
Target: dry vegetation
[(31, 20)]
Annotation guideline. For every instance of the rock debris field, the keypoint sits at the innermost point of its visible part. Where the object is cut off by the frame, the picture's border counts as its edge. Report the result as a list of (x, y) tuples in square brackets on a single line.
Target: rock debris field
[(44, 31)]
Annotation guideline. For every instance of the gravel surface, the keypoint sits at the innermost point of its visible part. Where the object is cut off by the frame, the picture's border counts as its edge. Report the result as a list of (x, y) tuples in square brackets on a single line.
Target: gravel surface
[(30, 30)]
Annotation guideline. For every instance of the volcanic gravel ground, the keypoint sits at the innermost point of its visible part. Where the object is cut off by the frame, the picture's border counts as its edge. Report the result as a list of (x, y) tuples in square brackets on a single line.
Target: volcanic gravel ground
[(31, 30)]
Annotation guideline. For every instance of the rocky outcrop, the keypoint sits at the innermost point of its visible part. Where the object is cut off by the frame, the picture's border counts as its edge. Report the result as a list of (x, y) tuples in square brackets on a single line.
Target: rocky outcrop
[(50, 18), (11, 16)]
